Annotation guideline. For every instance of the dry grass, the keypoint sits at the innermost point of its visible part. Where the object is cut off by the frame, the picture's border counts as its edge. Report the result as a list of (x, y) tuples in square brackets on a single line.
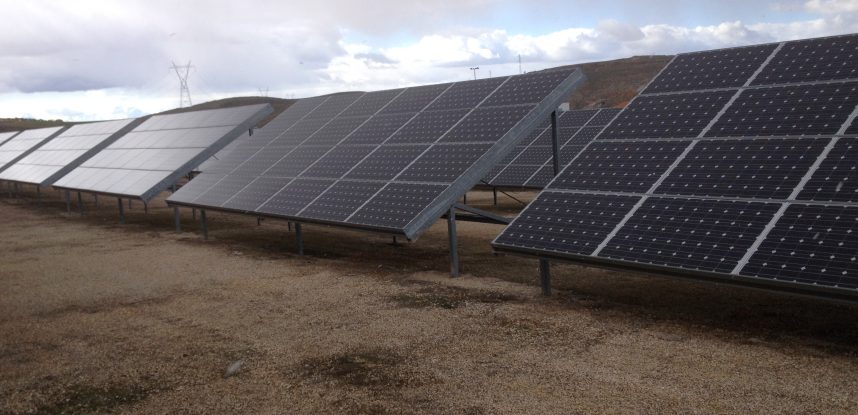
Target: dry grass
[(101, 318)]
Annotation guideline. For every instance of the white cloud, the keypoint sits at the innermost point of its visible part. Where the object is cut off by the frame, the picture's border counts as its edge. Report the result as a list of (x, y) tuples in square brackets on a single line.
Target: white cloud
[(53, 50)]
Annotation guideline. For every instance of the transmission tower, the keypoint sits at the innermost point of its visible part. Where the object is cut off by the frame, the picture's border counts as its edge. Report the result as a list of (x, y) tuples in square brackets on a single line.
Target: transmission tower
[(184, 92)]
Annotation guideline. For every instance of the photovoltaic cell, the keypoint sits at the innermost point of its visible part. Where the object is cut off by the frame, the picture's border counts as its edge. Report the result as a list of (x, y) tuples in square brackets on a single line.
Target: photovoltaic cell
[(759, 169), (702, 235), (789, 110), (341, 200), (725, 68), (813, 60), (619, 167), (667, 116), (569, 223), (836, 179), (810, 245)]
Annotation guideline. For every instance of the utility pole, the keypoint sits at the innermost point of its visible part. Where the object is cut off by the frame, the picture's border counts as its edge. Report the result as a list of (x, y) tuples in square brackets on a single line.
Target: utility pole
[(475, 71), (184, 92), (263, 92), (519, 64)]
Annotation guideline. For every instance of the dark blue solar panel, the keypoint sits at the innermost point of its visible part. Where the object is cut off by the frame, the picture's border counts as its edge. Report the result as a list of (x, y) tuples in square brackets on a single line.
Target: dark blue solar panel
[(667, 116), (443, 163), (620, 167), (813, 60), (702, 235), (567, 223), (811, 245), (341, 200), (528, 88), (427, 127), (725, 68), (761, 168), (788, 110), (292, 198), (386, 162), (256, 193), (836, 179), (487, 124), (396, 205)]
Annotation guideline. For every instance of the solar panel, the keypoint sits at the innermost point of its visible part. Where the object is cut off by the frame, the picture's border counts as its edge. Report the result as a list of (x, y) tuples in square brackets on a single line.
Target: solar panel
[(530, 166), (391, 161), (734, 165), (224, 153), (54, 159), (20, 145), (155, 154), (4, 137)]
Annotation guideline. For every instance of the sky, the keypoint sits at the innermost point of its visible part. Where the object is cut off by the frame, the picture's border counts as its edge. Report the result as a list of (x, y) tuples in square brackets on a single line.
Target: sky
[(92, 60)]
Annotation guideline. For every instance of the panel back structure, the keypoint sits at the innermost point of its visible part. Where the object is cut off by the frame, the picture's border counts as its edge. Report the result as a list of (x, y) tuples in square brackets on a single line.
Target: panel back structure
[(530, 165), (737, 165), (390, 161), (156, 153), (4, 137), (56, 158), (23, 143)]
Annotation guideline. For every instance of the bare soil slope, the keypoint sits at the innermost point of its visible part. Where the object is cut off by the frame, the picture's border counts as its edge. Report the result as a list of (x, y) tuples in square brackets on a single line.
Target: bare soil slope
[(96, 317)]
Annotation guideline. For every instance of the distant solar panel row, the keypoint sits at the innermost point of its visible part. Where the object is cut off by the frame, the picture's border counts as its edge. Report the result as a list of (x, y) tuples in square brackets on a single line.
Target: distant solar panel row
[(22, 144), (58, 156), (735, 164), (155, 154), (530, 164), (390, 161)]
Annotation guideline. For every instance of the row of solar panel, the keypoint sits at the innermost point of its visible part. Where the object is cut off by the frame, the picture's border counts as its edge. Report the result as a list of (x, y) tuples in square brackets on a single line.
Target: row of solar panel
[(388, 160), (132, 158)]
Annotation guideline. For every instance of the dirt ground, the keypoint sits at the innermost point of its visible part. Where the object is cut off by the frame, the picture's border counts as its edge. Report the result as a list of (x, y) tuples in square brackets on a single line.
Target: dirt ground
[(98, 317)]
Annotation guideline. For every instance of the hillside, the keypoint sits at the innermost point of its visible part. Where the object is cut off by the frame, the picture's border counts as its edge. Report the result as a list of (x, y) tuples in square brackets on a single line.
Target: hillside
[(609, 84), (612, 84)]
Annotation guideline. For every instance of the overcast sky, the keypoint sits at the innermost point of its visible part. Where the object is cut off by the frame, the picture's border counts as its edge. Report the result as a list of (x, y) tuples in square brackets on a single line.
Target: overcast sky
[(86, 60)]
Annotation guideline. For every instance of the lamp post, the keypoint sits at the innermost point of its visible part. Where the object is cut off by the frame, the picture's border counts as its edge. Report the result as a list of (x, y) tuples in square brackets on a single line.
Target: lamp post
[(475, 71)]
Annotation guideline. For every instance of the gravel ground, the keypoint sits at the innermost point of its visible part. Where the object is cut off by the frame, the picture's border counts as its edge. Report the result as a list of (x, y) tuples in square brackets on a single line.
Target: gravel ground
[(96, 317)]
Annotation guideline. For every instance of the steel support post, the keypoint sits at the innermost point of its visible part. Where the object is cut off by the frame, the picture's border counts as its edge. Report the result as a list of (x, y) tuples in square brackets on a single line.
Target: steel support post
[(38, 196), (145, 208), (299, 237), (545, 276), (205, 224), (68, 201), (177, 218), (80, 203), (495, 196), (194, 214), (555, 147), (454, 248), (258, 221), (121, 210), (95, 198)]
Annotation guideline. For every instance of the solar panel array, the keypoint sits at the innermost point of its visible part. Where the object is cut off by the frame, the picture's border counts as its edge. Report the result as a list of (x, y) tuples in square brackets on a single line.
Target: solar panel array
[(530, 164), (389, 161), (22, 144), (738, 164), (57, 157), (156, 153)]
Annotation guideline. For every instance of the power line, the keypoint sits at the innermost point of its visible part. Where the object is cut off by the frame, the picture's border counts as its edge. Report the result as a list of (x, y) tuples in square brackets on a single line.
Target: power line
[(184, 91)]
